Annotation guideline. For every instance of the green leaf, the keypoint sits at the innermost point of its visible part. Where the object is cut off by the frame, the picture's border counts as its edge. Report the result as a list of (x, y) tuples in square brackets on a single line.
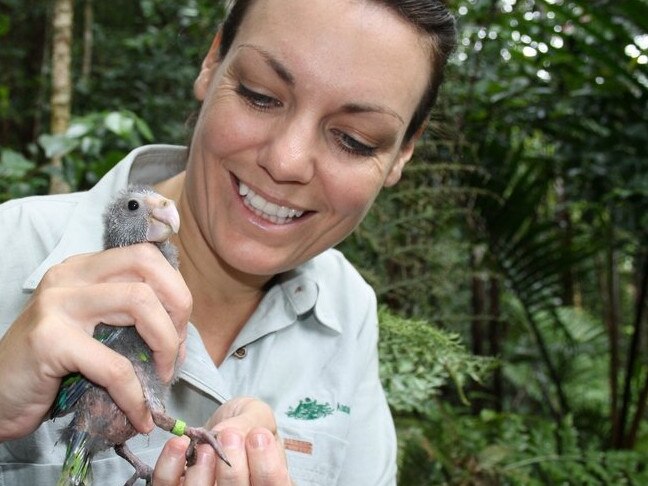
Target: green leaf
[(13, 165), (78, 129), (119, 124), (144, 129), (57, 145)]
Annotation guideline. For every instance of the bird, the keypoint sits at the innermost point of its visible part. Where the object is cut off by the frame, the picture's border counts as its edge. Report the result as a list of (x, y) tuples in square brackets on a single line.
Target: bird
[(137, 214)]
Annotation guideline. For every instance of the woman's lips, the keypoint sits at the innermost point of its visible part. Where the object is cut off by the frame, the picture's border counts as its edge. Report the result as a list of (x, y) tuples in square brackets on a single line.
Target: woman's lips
[(265, 209)]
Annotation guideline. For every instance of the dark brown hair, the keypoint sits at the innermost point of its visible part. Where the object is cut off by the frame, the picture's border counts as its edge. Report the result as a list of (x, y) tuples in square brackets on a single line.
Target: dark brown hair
[(430, 17)]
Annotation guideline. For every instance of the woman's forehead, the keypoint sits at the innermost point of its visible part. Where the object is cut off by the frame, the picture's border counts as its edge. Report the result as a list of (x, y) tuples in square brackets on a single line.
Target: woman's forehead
[(354, 44)]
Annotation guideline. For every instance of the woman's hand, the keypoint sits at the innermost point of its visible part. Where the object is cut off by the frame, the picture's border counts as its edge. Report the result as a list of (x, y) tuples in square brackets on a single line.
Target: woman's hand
[(248, 433), (53, 335)]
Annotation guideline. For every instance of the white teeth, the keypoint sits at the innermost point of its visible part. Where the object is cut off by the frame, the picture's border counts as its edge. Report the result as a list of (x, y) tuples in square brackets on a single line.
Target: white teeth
[(265, 209), (258, 202), (271, 208)]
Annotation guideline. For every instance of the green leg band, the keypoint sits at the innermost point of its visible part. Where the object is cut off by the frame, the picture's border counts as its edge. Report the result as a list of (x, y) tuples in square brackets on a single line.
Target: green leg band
[(179, 428)]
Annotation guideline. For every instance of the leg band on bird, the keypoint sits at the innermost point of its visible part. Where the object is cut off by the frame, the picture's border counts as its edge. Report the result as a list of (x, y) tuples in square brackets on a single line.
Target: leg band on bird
[(179, 428)]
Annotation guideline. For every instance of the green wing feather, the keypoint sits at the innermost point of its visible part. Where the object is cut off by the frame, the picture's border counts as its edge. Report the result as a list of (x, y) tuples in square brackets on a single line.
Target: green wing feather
[(75, 385), (76, 469)]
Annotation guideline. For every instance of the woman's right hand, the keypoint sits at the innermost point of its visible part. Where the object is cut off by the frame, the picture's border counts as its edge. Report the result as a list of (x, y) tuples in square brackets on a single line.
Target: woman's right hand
[(52, 337)]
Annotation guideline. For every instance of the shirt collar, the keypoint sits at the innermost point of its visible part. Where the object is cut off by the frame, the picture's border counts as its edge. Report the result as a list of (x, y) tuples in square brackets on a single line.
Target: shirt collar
[(145, 165), (199, 369), (304, 288)]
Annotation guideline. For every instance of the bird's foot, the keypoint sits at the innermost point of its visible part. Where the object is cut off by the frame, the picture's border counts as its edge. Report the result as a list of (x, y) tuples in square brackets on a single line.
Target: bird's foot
[(197, 435), (142, 470), (200, 435)]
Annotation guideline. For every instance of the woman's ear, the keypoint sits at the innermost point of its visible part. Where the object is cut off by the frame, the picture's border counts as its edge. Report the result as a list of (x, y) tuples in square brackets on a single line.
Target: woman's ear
[(403, 158), (209, 65)]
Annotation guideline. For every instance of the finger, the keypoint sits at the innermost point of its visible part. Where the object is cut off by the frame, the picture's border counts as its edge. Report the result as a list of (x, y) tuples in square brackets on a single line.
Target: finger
[(137, 263), (266, 459), (170, 466), (99, 364), (233, 444), (203, 472), (120, 305), (243, 414)]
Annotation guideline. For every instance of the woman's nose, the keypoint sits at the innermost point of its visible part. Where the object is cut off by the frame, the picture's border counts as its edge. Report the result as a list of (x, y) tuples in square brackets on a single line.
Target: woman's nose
[(290, 151)]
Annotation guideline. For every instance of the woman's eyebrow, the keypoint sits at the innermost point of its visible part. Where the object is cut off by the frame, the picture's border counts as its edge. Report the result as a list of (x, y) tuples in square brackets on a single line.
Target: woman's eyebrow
[(371, 108), (282, 71)]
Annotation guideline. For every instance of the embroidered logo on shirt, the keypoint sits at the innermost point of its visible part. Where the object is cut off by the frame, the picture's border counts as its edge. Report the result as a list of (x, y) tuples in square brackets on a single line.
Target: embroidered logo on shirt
[(344, 408), (310, 409)]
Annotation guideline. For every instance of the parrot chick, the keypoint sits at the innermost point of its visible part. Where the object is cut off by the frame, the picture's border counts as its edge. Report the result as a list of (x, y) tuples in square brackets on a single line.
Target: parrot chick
[(137, 215)]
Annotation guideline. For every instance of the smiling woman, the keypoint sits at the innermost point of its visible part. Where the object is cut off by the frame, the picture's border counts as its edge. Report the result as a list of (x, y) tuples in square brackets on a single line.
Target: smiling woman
[(308, 109), (304, 124)]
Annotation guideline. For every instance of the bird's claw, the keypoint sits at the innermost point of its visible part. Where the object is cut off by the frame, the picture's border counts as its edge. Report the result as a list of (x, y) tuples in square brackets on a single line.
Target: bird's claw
[(142, 470), (200, 435)]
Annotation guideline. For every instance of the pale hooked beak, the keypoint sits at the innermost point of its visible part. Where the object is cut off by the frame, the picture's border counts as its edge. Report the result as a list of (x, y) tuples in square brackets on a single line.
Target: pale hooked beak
[(164, 219)]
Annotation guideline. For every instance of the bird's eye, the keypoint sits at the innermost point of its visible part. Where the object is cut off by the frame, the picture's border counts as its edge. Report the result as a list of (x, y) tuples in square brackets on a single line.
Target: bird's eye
[(133, 205)]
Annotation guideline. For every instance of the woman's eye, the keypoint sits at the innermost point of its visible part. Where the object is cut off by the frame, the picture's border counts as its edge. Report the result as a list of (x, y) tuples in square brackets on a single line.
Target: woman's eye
[(257, 100), (350, 145)]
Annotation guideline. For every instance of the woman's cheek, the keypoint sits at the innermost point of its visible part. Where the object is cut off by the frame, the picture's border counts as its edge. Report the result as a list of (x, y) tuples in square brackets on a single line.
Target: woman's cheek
[(227, 128), (355, 186)]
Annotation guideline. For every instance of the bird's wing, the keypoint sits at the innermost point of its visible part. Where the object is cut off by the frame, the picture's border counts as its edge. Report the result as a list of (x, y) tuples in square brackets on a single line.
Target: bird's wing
[(75, 385)]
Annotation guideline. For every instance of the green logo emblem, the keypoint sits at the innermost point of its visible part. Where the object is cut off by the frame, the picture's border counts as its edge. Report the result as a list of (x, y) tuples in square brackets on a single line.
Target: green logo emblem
[(310, 409), (344, 408)]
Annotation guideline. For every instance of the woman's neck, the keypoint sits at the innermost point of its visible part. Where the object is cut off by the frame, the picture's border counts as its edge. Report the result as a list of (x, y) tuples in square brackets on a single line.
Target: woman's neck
[(223, 298)]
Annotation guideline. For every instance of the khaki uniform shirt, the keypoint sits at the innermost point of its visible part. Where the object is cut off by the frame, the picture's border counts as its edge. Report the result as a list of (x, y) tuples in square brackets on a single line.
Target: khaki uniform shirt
[(309, 350)]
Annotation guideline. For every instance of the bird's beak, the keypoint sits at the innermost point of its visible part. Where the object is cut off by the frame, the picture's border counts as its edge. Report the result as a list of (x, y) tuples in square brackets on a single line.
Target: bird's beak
[(164, 220)]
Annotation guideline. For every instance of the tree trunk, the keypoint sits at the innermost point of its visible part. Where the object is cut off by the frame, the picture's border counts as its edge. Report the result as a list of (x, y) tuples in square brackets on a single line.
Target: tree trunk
[(62, 21), (478, 304), (560, 409), (478, 315), (639, 317), (563, 218), (42, 75), (88, 42), (495, 336), (611, 315)]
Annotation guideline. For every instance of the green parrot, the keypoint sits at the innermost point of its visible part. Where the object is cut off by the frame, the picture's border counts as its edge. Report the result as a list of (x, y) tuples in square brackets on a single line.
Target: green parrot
[(138, 214)]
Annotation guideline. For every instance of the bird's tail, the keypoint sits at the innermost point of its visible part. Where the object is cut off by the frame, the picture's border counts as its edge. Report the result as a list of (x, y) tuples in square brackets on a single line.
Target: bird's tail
[(77, 468)]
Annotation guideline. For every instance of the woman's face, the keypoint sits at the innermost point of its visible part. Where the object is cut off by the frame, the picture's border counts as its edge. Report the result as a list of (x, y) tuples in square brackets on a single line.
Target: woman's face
[(302, 124)]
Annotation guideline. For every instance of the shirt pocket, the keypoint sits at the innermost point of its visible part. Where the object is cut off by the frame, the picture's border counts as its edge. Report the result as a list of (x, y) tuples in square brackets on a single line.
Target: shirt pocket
[(315, 458)]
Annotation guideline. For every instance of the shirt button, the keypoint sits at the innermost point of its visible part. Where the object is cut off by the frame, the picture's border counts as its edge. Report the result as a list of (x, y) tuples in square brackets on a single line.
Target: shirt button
[(240, 352)]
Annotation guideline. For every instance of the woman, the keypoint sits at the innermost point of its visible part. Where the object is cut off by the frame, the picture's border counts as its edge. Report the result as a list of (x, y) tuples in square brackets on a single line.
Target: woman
[(308, 110)]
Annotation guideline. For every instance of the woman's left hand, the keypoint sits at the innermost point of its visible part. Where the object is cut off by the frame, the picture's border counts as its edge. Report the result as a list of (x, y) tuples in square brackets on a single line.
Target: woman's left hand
[(247, 431)]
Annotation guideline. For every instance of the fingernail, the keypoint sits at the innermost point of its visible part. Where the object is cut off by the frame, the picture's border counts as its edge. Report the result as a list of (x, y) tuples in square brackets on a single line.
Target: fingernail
[(230, 440), (205, 458), (177, 448), (259, 441)]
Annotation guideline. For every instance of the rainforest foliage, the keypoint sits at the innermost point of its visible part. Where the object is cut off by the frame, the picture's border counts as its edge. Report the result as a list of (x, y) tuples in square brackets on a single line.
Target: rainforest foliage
[(511, 262)]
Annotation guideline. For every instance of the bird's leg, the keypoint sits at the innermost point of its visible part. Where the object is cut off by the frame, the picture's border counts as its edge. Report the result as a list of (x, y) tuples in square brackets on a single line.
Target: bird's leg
[(142, 471), (197, 435)]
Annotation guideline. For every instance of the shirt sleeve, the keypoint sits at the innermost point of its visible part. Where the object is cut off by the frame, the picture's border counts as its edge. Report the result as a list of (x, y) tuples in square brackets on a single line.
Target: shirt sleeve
[(371, 450)]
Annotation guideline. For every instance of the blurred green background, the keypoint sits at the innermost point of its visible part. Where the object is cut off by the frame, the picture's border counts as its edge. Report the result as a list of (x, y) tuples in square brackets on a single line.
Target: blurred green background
[(511, 262)]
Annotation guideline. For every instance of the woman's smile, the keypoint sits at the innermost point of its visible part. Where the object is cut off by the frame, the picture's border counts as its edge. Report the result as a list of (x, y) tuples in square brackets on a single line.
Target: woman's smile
[(275, 212)]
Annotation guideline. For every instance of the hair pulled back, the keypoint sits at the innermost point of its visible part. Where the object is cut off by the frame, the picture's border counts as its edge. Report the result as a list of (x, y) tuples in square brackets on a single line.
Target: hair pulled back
[(430, 17)]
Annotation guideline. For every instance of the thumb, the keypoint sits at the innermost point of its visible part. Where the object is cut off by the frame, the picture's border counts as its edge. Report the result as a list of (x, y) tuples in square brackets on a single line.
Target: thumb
[(243, 414)]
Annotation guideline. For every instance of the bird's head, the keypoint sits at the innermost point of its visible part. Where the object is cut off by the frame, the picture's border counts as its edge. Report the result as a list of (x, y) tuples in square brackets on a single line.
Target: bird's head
[(138, 215)]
